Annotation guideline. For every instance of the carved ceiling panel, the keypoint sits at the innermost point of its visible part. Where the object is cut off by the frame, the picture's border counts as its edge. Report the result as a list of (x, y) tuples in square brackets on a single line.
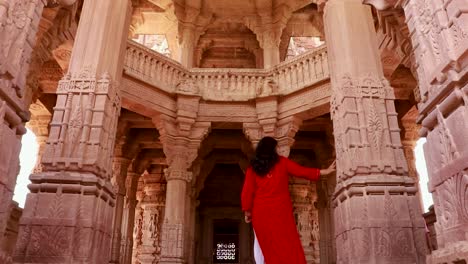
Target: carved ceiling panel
[(228, 45)]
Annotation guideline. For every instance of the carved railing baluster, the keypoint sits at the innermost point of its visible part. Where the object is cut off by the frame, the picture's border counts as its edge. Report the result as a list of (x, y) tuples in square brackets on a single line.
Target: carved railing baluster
[(227, 84)]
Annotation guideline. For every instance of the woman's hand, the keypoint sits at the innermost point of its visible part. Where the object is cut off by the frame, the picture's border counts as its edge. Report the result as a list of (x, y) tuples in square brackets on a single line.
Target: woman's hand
[(329, 170), (248, 216)]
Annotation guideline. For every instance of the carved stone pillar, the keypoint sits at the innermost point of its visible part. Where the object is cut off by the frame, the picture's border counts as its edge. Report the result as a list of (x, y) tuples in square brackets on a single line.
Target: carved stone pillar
[(409, 140), (173, 239), (191, 203), (377, 213), (439, 39), (438, 31), (187, 47), (181, 138), (128, 225), (67, 214), (151, 217), (325, 189), (120, 167), (271, 52), (191, 24), (39, 125), (304, 196), (19, 21), (138, 229)]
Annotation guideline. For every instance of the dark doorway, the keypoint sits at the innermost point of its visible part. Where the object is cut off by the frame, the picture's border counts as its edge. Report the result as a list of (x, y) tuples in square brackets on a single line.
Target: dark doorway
[(226, 241)]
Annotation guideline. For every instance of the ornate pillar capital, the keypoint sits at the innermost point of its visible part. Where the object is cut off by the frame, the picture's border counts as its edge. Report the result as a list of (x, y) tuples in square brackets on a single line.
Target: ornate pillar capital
[(282, 130), (180, 144), (173, 174)]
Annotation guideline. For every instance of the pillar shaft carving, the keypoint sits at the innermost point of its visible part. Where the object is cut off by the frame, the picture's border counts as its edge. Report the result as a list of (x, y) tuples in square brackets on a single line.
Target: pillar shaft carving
[(128, 223), (120, 167), (84, 123), (371, 164), (19, 21), (192, 23), (304, 196), (181, 138), (77, 207), (440, 42), (39, 125), (410, 137), (150, 218)]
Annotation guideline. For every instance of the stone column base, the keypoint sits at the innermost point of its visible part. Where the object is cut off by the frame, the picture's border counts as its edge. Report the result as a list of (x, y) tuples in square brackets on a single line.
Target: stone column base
[(453, 253), (67, 219)]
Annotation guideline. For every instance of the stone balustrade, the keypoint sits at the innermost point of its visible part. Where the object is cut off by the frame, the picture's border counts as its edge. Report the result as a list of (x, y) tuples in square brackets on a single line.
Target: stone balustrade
[(302, 71), (223, 84), (152, 67)]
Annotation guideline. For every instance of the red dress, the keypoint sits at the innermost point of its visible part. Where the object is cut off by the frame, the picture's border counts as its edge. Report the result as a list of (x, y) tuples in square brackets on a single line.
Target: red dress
[(272, 213)]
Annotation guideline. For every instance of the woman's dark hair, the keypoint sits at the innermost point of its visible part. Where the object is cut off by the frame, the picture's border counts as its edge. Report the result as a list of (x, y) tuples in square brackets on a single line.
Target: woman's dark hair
[(265, 156)]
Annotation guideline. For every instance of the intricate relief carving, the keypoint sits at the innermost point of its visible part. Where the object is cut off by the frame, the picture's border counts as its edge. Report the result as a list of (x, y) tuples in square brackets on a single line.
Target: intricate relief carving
[(138, 231), (389, 207), (448, 150), (225, 84), (175, 174), (154, 224), (402, 246), (173, 240), (453, 199), (429, 27), (71, 143), (459, 34), (188, 87), (383, 246), (52, 240), (75, 126), (361, 244), (267, 88), (315, 231), (375, 128)]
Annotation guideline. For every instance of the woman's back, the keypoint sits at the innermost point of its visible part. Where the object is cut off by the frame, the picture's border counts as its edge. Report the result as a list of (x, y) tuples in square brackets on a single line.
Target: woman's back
[(267, 198), (274, 186)]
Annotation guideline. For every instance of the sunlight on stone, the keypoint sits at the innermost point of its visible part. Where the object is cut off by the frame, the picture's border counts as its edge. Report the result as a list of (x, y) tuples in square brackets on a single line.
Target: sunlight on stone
[(155, 42), (422, 171), (300, 45), (28, 157)]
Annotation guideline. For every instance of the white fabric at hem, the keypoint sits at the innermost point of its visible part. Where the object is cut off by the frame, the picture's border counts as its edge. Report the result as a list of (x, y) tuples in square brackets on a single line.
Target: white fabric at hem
[(258, 255)]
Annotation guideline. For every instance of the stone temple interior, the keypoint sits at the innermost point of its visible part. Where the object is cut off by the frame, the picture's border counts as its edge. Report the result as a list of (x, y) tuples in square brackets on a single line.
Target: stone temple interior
[(147, 113)]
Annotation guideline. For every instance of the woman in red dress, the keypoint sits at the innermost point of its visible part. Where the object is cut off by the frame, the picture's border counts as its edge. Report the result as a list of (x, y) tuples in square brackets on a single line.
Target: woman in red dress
[(267, 203)]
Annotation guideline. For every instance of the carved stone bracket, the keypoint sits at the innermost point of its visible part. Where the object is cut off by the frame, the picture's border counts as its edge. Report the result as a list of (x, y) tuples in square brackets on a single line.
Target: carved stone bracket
[(283, 130)]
